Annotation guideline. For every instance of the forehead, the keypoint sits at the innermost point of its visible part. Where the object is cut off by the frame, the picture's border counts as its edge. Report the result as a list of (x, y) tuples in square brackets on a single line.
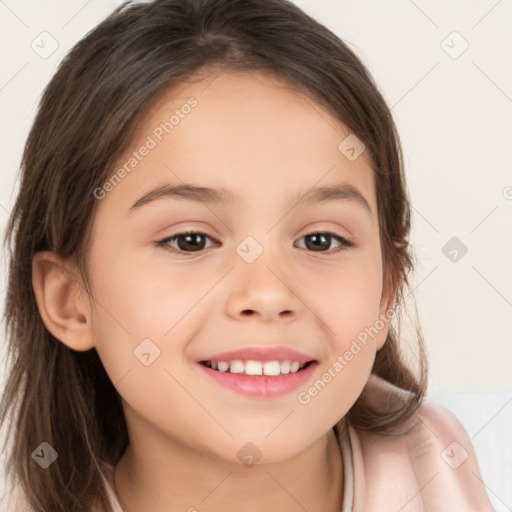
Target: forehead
[(251, 133)]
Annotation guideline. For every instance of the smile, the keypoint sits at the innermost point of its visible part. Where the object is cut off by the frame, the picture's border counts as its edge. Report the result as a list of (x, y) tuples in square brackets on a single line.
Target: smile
[(258, 384), (252, 367)]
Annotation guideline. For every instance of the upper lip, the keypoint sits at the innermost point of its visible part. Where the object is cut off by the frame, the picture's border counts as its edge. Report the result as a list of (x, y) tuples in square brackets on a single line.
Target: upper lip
[(263, 354)]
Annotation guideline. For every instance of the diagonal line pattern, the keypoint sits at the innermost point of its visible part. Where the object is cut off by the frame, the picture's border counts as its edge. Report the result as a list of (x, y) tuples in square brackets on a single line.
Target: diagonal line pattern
[(492, 211), (119, 380), (425, 219), (300, 299), (216, 487), (13, 13), (286, 491), (400, 397), (313, 107), (14, 76), (76, 14), (199, 403), (431, 272), (424, 13), (112, 316), (204, 204), (77, 282), (418, 492), (298, 201), (211, 82), (282, 421), (485, 15), (206, 293), (482, 428), (489, 489), (494, 288), (492, 81), (415, 85)]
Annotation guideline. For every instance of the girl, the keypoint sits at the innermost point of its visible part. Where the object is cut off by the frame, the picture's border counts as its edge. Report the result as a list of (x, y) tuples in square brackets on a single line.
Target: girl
[(209, 251)]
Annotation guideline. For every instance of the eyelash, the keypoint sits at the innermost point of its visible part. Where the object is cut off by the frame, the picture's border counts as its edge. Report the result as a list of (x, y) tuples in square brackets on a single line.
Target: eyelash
[(345, 244)]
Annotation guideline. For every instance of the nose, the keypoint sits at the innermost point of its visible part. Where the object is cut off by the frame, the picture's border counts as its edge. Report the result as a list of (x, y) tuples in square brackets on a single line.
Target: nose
[(262, 291)]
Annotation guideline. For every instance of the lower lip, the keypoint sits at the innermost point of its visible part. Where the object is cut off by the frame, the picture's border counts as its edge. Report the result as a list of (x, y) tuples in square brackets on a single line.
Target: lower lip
[(261, 385)]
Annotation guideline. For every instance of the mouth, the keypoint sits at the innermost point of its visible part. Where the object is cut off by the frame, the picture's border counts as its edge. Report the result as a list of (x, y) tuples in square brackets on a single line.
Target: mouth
[(257, 372), (257, 368)]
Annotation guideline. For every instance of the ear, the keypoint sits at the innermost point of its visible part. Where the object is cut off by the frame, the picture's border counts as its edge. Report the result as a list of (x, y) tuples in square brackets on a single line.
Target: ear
[(62, 301), (389, 295)]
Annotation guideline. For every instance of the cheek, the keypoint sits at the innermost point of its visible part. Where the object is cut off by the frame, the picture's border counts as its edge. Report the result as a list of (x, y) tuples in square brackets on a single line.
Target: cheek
[(351, 309), (145, 314), (146, 298), (351, 296), (352, 314), (141, 329)]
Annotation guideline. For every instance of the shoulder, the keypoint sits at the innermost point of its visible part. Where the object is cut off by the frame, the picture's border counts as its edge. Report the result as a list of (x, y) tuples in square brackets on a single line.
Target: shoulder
[(442, 454), (439, 436), (434, 461)]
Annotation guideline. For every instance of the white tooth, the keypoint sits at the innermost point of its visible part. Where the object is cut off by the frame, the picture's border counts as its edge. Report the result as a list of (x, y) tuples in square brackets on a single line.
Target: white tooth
[(294, 367), (285, 367), (271, 368), (214, 364), (236, 366), (222, 366), (253, 368)]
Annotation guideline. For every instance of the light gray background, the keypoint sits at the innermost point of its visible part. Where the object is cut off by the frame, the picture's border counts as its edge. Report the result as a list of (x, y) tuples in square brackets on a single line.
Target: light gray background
[(454, 116)]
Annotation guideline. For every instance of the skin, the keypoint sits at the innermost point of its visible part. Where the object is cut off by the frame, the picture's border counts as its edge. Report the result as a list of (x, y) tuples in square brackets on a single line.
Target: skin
[(268, 144)]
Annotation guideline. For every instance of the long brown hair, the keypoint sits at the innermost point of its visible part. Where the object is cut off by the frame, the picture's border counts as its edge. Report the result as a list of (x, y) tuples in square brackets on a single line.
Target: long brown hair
[(87, 117)]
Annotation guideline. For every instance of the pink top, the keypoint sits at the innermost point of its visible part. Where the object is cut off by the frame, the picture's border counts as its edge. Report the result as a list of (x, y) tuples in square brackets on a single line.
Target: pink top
[(433, 468)]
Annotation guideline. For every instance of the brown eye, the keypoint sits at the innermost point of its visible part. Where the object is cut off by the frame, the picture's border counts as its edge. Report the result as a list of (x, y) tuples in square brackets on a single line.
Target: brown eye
[(195, 241), (321, 242), (192, 241)]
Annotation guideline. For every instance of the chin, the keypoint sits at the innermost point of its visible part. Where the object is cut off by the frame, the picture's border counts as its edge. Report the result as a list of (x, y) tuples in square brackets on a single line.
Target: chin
[(249, 450)]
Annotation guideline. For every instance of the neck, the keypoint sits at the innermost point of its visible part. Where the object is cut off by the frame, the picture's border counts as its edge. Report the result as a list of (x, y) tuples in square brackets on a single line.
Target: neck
[(181, 479)]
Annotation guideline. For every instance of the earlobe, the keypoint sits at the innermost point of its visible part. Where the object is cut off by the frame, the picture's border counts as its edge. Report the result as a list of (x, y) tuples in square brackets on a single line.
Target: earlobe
[(385, 315), (387, 308), (62, 305), (393, 280), (388, 301)]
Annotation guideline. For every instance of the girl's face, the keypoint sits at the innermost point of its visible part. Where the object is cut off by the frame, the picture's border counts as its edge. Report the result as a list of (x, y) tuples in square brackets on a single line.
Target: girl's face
[(258, 273)]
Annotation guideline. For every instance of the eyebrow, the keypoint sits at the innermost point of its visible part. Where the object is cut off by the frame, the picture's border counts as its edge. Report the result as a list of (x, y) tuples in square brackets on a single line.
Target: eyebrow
[(341, 191)]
